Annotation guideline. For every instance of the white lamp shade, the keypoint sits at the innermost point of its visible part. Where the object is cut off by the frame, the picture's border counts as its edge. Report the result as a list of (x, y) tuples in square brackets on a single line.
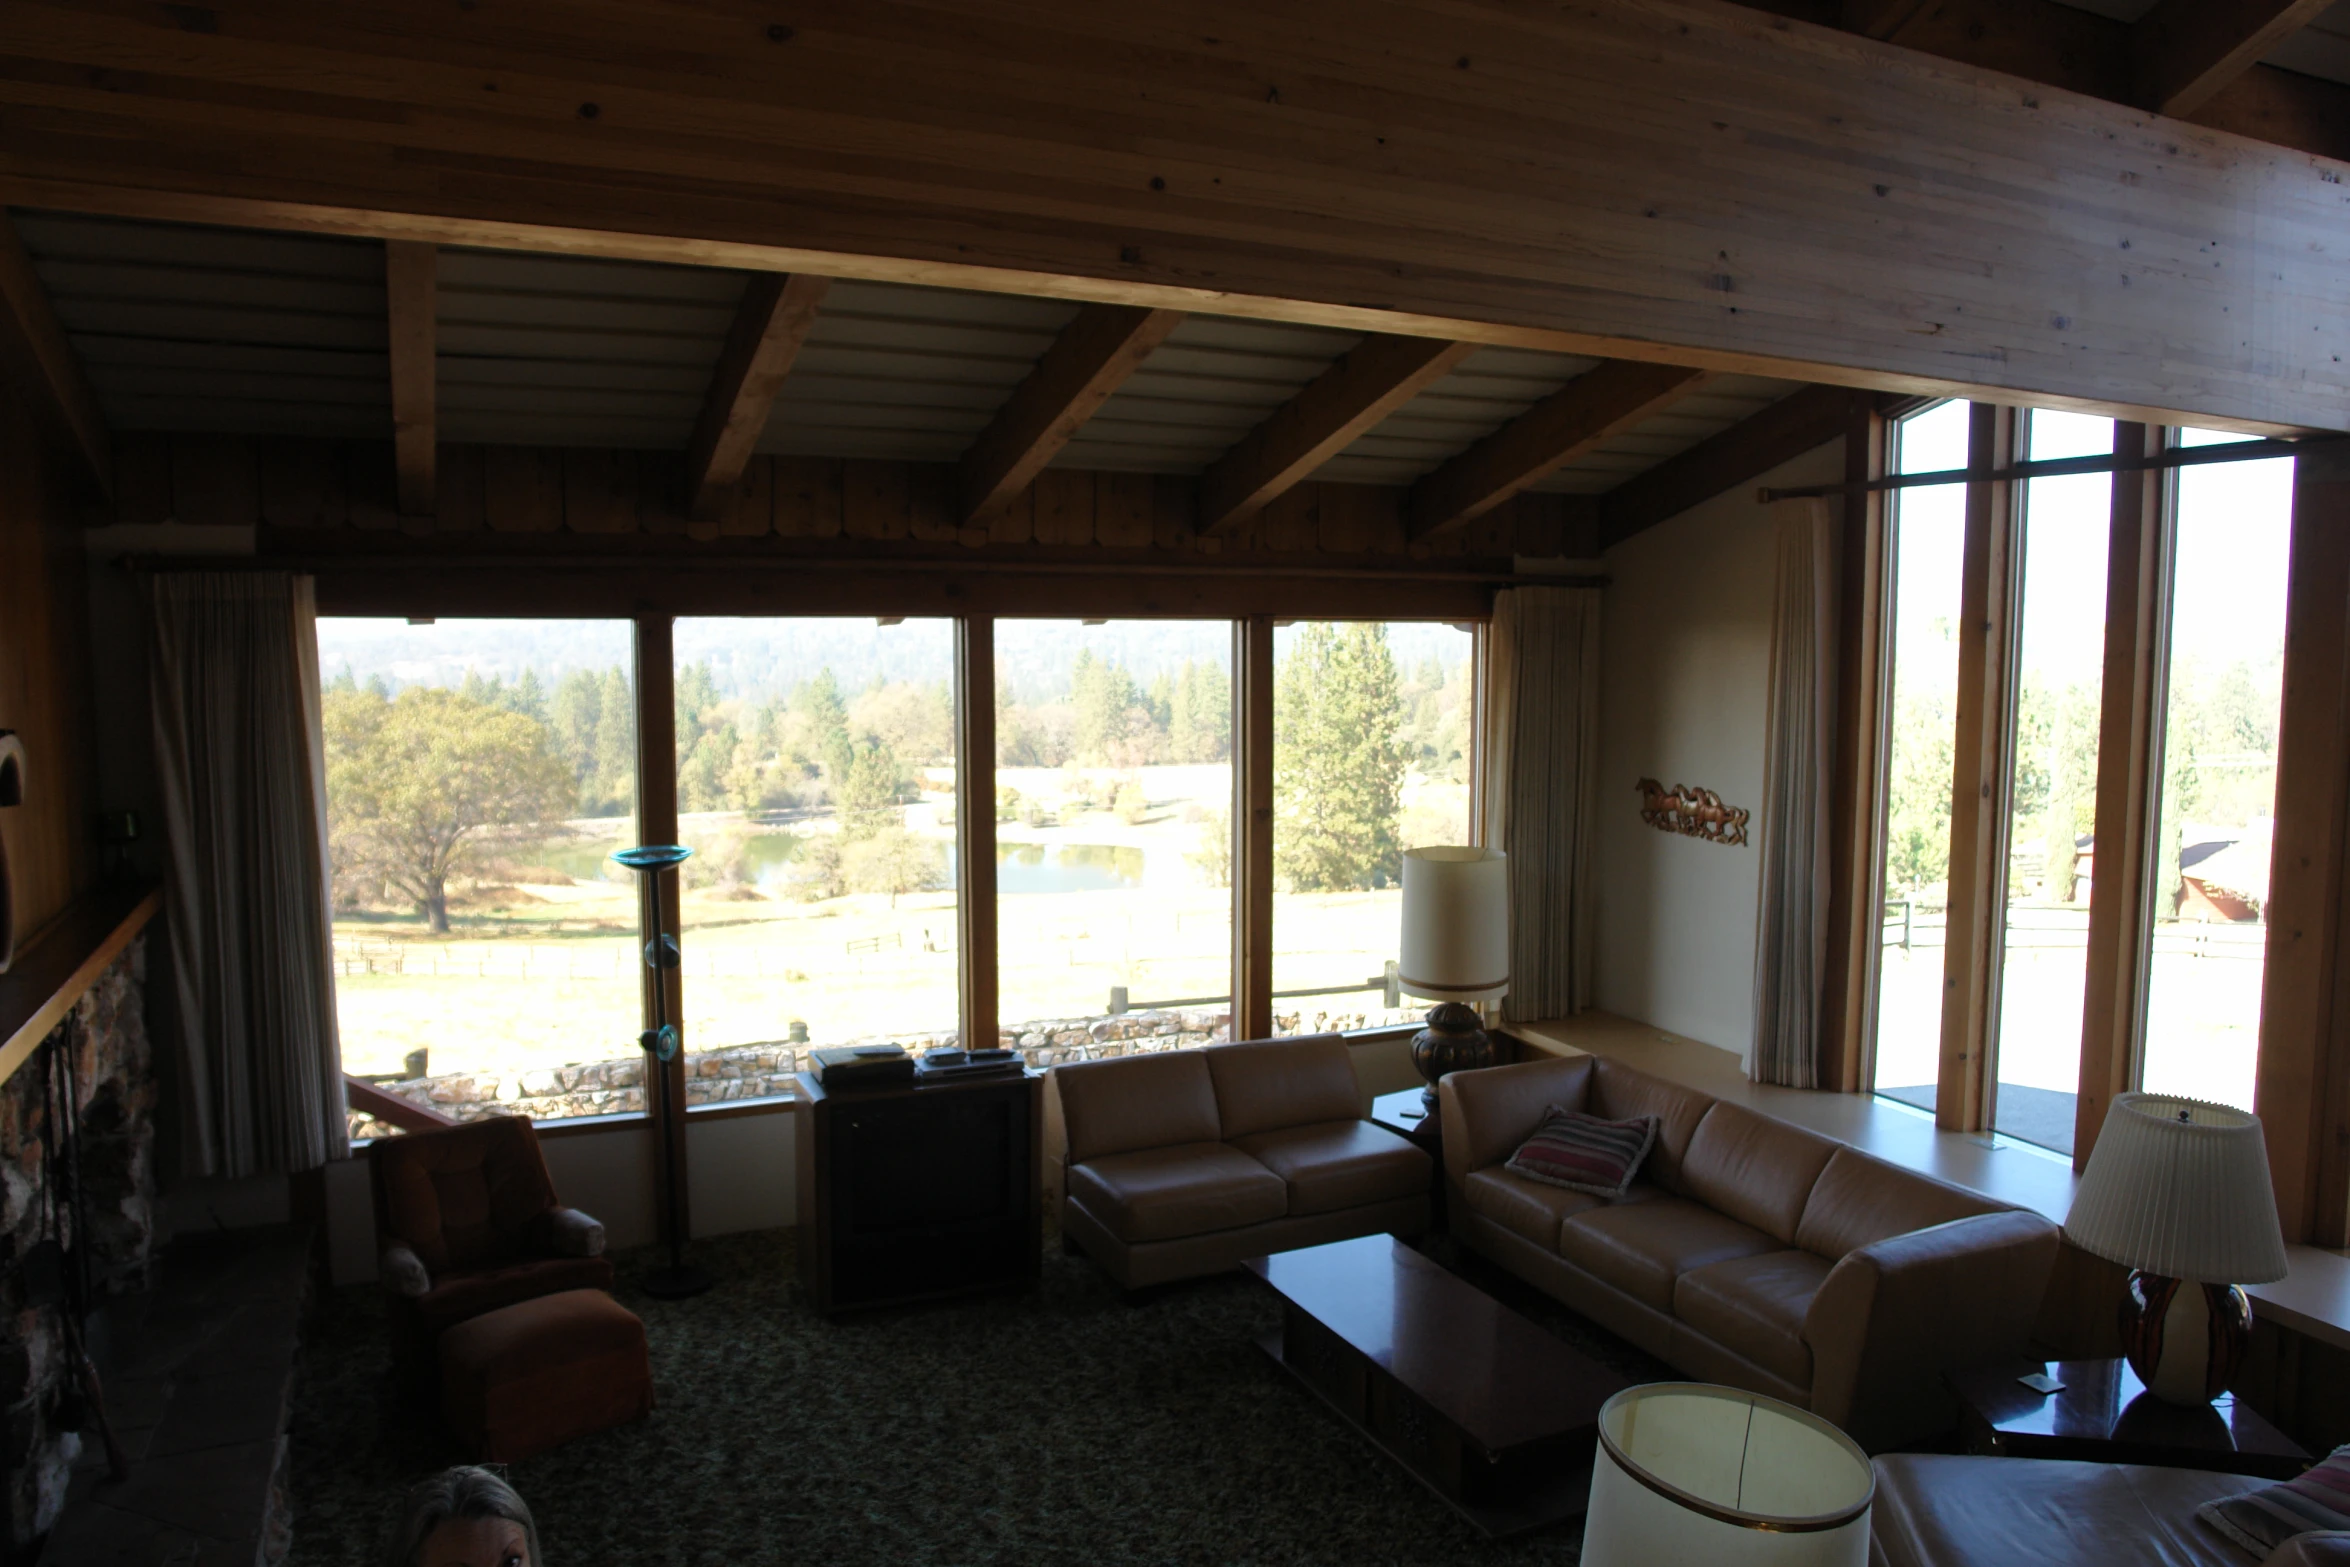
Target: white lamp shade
[(2180, 1188), (1687, 1474), (1456, 924)]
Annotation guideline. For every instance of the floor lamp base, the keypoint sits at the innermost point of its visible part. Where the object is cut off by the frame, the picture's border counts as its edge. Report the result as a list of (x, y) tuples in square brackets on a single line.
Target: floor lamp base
[(676, 1283)]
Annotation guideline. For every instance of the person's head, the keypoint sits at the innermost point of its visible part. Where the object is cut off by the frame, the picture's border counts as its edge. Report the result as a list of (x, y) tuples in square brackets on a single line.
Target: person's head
[(464, 1517)]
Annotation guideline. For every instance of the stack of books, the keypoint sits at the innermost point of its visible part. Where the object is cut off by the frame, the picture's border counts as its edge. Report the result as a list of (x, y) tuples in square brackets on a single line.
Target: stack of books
[(939, 1066)]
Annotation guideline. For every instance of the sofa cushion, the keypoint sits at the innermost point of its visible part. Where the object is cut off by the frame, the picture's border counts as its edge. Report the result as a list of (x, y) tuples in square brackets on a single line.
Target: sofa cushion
[(1340, 1164), (1941, 1510), (1266, 1084), (1160, 1194), (1643, 1248), (2262, 1520), (1524, 1207), (1487, 1113), (1621, 1092), (1859, 1201), (461, 1296), (1585, 1153), (1130, 1102), (1754, 1306), (1758, 1170)]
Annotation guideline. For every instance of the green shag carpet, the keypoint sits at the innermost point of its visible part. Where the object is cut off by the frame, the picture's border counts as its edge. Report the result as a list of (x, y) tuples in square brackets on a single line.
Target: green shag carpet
[(1065, 1425)]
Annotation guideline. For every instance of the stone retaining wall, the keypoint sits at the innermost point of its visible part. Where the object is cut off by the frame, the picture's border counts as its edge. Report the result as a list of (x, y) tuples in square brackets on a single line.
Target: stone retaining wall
[(763, 1070)]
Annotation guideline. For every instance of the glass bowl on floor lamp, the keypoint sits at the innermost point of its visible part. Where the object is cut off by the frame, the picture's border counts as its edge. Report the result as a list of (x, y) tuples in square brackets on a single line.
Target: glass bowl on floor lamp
[(1455, 950), (661, 1044), (2178, 1191)]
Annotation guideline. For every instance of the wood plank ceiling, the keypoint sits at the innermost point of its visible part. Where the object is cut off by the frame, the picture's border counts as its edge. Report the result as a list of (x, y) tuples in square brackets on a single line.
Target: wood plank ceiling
[(187, 330)]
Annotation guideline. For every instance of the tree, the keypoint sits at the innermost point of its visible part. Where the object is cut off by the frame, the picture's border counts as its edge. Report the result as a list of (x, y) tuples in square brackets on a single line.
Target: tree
[(819, 705), (1337, 768), (894, 860), (915, 719), (615, 774), (868, 797), (1199, 714), (1104, 696), (414, 784)]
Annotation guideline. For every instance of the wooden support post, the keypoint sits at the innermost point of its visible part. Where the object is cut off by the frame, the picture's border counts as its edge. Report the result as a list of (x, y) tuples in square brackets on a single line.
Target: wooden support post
[(409, 299), (975, 893), (1252, 828), (1980, 776), (1856, 808), (1091, 359), (769, 326), (2304, 1038), (656, 822), (2140, 547)]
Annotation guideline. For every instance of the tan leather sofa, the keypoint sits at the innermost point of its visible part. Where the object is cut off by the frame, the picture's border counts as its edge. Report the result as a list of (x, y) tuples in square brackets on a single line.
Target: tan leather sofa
[(1184, 1162), (1751, 1252), (1933, 1510)]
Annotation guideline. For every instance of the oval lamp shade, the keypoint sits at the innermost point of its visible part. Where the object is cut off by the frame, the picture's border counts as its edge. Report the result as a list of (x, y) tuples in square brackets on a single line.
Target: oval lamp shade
[(1456, 924), (1690, 1473), (2180, 1188)]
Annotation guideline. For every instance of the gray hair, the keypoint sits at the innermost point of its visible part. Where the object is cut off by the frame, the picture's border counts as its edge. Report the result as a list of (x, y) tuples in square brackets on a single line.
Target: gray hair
[(466, 1491)]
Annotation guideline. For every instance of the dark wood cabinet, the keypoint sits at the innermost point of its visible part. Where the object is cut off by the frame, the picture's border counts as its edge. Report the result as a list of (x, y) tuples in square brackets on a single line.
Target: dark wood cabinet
[(920, 1191)]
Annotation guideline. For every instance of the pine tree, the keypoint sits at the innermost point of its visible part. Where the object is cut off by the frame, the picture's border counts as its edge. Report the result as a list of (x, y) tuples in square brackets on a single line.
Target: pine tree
[(869, 794), (818, 701), (615, 776), (1337, 767), (573, 714)]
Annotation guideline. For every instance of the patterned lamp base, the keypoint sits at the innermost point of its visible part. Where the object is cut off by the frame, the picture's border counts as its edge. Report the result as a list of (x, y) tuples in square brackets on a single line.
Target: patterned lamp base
[(1454, 1041), (2184, 1340)]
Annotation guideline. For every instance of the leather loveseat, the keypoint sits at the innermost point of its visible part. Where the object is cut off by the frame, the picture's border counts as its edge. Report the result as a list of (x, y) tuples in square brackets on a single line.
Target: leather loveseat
[(1935, 1510), (1184, 1162), (1749, 1251)]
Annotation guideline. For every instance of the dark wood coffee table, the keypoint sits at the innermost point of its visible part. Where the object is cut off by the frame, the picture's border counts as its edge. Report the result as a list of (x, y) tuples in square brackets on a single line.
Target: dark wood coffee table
[(1493, 1414), (2105, 1414)]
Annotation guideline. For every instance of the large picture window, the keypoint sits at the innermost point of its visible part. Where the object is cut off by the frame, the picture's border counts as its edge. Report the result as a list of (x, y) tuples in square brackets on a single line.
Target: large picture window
[(478, 774), (1928, 528), (2219, 777), (816, 784), (1113, 806), (1371, 756)]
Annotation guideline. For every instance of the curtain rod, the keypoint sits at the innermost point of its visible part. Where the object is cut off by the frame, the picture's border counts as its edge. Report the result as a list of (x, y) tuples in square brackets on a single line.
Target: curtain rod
[(314, 564), (2057, 467)]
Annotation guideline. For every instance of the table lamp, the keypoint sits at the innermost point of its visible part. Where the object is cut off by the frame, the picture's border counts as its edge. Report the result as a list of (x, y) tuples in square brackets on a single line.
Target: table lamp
[(2178, 1190), (1456, 949), (1691, 1473)]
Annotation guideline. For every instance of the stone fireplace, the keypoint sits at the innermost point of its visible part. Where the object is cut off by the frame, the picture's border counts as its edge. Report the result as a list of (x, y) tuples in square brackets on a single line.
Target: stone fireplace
[(114, 1085)]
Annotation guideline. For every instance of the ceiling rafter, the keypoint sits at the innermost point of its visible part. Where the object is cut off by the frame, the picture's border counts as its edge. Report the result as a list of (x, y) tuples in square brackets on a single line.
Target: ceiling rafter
[(1370, 381), (1878, 18), (770, 324), (2184, 51), (1091, 359), (411, 268), (1571, 421), (51, 357), (1795, 424)]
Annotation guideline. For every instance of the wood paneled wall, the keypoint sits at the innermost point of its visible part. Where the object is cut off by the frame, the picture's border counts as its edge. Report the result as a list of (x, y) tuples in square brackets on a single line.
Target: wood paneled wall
[(303, 486), (44, 668)]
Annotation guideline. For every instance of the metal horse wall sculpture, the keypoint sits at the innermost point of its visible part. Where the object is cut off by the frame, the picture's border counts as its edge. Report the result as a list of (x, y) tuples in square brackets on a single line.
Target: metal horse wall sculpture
[(1693, 813)]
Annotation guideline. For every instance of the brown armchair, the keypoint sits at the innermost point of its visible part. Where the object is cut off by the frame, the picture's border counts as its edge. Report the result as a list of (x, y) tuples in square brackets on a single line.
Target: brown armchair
[(467, 1222)]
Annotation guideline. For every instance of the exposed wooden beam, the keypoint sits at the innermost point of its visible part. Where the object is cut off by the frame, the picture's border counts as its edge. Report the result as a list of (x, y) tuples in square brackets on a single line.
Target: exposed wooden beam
[(1372, 380), (1748, 449), (920, 143), (50, 358), (1091, 358), (2184, 51), (1879, 18), (410, 268), (1545, 438), (769, 325)]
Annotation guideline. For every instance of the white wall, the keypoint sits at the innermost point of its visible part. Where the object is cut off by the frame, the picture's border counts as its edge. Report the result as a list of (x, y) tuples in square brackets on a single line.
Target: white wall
[(1684, 680)]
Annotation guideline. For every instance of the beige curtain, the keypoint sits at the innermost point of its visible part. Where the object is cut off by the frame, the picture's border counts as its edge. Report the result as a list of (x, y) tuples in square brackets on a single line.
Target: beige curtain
[(1791, 924), (1539, 765), (234, 663)]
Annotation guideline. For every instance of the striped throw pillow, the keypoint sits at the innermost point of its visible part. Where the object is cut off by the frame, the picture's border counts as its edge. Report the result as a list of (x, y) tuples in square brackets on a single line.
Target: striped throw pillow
[(2260, 1521), (1584, 1153)]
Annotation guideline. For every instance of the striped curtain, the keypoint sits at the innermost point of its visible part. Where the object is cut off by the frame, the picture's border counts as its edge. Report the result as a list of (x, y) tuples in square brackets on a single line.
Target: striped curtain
[(1540, 761), (233, 661), (1791, 925)]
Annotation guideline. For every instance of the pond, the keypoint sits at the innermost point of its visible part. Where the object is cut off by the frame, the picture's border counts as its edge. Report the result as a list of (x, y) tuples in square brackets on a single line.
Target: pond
[(1020, 867)]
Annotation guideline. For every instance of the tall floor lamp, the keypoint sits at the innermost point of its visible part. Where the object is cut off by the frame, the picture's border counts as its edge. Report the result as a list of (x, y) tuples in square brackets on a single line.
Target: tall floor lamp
[(661, 1044)]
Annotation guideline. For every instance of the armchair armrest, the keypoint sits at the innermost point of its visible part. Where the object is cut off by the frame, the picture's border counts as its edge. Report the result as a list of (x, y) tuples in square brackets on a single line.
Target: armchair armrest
[(1894, 1316), (1486, 1114), (402, 1271), (571, 1233)]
